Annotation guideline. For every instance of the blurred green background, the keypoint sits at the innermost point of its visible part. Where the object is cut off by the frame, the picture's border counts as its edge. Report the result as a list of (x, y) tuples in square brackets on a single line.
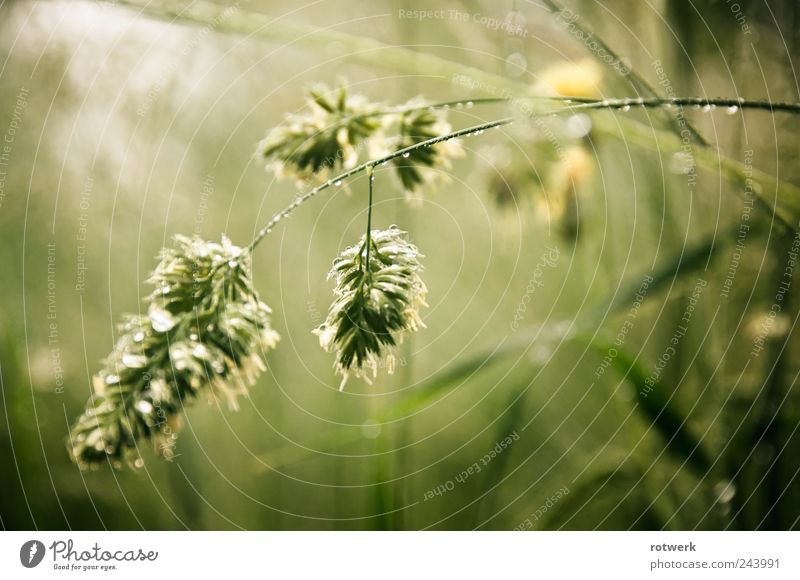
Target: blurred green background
[(124, 129)]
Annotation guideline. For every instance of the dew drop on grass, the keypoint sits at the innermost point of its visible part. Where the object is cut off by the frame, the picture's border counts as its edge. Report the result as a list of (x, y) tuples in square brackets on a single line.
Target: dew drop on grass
[(732, 110), (370, 429), (406, 155), (338, 182), (134, 361), (516, 64), (725, 491), (681, 163), (161, 320), (578, 126)]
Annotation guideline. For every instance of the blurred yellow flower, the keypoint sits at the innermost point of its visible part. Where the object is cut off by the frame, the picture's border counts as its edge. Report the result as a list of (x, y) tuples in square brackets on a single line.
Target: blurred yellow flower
[(571, 79)]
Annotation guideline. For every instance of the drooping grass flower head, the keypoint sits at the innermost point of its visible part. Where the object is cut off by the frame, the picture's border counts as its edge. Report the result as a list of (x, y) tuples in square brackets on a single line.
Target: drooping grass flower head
[(376, 303), (324, 140), (204, 334), (424, 164)]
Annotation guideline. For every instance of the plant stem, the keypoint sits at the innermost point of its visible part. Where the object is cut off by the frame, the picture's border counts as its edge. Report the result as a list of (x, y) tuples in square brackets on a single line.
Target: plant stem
[(686, 102), (368, 164), (578, 103), (371, 179)]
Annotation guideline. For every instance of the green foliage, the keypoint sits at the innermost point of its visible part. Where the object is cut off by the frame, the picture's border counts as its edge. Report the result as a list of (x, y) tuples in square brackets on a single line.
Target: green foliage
[(205, 333), (658, 408)]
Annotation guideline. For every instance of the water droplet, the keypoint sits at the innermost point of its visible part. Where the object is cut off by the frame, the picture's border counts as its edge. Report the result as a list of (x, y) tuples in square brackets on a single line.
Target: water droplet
[(625, 108), (681, 163), (470, 104), (459, 105), (109, 449), (732, 110), (200, 351), (138, 337), (193, 336), (370, 429), (406, 155), (541, 354), (385, 163), (144, 407), (578, 126), (725, 491), (516, 64), (338, 182), (134, 361), (138, 463), (112, 379), (165, 289), (232, 263), (707, 107), (161, 320)]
